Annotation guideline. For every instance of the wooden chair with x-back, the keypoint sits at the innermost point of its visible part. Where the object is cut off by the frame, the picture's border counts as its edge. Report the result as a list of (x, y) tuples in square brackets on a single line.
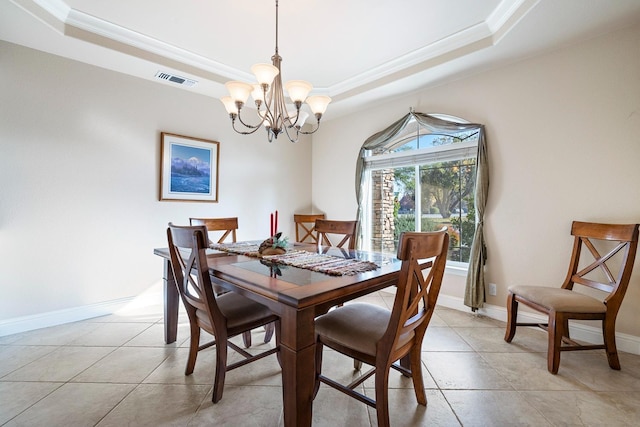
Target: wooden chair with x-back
[(305, 227), (226, 228), (346, 230), (380, 337), (222, 316), (604, 266)]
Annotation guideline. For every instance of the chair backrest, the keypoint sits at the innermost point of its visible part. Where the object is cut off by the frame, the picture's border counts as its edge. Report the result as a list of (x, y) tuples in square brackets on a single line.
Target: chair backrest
[(187, 248), (305, 225), (228, 225), (345, 228), (416, 294), (620, 242)]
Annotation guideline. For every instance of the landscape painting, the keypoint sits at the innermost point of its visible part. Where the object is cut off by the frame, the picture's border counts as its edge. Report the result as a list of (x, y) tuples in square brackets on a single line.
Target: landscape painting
[(189, 169)]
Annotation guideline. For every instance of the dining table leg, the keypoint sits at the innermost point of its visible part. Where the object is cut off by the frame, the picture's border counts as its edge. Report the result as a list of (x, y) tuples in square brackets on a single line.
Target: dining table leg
[(171, 302), (297, 351)]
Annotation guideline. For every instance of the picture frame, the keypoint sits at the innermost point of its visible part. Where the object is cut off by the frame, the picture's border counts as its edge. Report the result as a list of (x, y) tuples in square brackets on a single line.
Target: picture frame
[(188, 168)]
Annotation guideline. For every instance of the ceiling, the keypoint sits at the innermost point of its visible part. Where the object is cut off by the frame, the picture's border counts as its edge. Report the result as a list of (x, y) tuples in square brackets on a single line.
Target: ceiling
[(356, 51)]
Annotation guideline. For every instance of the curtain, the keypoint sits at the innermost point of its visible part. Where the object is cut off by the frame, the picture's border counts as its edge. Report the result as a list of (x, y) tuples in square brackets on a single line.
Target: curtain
[(385, 139), (474, 293)]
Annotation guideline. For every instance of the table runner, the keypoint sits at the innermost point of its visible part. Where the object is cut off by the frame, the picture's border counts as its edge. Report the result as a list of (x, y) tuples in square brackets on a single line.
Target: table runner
[(323, 263)]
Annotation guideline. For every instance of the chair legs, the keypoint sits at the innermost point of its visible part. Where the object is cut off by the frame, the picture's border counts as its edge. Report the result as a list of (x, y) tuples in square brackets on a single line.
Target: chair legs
[(221, 369), (555, 331), (246, 339), (194, 347), (381, 402), (416, 375), (382, 395), (558, 332), (512, 315), (609, 334), (269, 328), (316, 386)]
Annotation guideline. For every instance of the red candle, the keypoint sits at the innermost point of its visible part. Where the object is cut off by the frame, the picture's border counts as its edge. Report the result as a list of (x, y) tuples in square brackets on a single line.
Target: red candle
[(275, 230), (271, 225)]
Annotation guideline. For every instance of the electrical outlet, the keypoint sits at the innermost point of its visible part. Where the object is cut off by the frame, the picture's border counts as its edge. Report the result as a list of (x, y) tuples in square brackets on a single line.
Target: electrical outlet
[(493, 289)]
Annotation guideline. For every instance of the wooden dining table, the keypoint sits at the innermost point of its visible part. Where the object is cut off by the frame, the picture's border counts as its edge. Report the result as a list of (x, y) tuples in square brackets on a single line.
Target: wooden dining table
[(297, 296)]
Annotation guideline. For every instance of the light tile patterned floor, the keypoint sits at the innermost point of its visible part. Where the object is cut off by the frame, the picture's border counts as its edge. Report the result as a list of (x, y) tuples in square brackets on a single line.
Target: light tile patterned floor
[(116, 370)]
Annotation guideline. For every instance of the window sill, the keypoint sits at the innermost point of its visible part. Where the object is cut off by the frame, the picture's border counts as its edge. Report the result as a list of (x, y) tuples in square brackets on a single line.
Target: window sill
[(456, 270)]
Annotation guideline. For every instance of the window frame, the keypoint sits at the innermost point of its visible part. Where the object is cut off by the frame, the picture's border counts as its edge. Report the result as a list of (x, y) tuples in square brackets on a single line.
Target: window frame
[(416, 158)]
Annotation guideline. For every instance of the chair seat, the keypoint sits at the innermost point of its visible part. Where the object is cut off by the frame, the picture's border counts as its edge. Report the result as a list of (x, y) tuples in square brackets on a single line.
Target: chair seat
[(562, 300), (238, 310), (358, 326)]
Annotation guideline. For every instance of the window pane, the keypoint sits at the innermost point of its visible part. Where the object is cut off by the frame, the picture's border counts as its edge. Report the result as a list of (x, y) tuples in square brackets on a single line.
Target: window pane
[(405, 200), (426, 140), (447, 200)]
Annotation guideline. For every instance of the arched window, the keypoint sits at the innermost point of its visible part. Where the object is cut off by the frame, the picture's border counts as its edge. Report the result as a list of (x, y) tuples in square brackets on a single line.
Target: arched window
[(443, 157), (422, 180)]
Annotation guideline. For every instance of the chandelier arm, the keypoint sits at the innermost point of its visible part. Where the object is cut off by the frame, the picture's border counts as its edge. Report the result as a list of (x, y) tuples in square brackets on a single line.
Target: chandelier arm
[(286, 131), (278, 108), (287, 119), (248, 125), (313, 131), (233, 125), (268, 115)]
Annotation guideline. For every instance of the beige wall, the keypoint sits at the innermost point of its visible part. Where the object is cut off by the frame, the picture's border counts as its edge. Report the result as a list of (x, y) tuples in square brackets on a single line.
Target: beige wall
[(563, 140), (79, 161)]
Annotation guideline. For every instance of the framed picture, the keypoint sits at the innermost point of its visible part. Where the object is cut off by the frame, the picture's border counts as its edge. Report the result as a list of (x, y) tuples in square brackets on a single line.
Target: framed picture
[(189, 168)]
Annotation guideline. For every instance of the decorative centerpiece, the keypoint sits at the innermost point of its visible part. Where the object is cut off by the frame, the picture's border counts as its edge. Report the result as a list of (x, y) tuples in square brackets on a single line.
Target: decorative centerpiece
[(274, 245)]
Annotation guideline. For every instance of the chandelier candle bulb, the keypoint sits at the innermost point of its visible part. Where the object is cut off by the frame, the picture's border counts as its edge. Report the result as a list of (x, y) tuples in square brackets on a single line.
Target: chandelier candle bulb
[(257, 94), (298, 90), (265, 73), (230, 105), (302, 117), (318, 104), (239, 91)]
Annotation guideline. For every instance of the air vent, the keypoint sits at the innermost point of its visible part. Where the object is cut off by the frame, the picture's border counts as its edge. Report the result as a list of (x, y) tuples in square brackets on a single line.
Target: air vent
[(183, 81)]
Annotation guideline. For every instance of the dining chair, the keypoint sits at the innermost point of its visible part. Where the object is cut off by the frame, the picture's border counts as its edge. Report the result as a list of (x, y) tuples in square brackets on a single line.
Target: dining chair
[(223, 316), (305, 226), (618, 243), (380, 337), (228, 226), (347, 229)]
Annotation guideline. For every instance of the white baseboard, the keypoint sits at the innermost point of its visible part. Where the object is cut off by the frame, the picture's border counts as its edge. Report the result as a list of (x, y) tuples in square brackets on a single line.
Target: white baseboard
[(624, 342), (59, 317)]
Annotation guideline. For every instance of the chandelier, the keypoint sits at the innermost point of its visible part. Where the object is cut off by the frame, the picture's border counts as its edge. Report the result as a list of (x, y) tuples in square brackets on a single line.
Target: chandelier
[(268, 94)]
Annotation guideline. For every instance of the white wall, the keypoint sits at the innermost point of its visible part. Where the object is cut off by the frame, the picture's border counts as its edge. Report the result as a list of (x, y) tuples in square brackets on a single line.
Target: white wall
[(563, 140), (79, 167)]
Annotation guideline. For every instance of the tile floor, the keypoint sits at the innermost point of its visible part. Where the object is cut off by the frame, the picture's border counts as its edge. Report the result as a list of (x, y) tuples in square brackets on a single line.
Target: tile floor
[(116, 371)]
